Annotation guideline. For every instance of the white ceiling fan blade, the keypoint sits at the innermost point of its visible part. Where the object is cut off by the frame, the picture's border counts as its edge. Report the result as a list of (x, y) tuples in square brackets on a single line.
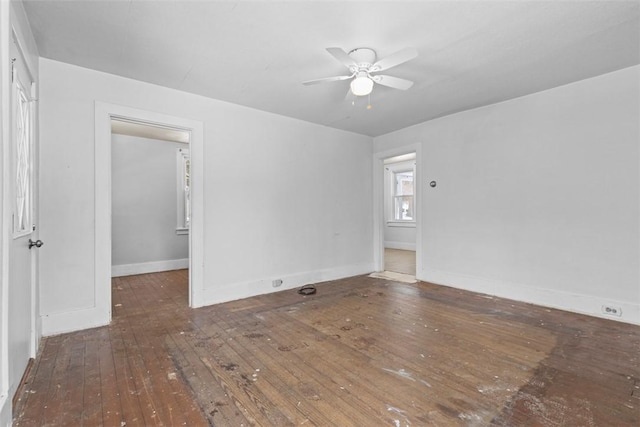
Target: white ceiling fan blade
[(394, 82), (396, 59), (342, 57), (326, 80)]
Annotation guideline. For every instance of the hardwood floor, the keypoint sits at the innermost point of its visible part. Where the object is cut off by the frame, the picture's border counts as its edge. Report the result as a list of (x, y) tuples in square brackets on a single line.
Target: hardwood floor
[(400, 261), (361, 352)]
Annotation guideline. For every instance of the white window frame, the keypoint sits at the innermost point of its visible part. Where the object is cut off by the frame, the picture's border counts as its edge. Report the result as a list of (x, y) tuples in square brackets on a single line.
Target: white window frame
[(183, 192), (390, 172)]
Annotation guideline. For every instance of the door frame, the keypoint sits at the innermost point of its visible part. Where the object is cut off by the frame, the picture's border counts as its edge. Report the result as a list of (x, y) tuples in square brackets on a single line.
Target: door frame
[(378, 204), (104, 112)]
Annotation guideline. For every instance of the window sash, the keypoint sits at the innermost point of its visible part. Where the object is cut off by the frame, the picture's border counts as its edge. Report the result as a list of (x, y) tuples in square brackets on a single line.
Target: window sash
[(403, 183), (403, 208), (402, 197)]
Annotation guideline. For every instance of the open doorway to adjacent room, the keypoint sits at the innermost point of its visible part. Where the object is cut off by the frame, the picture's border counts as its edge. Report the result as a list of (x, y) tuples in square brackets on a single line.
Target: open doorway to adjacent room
[(399, 218), (150, 211), (191, 277)]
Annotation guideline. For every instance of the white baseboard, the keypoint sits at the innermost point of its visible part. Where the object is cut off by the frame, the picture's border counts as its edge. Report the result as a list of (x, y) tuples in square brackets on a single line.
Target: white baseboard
[(235, 291), (149, 267), (552, 298), (400, 245), (60, 323)]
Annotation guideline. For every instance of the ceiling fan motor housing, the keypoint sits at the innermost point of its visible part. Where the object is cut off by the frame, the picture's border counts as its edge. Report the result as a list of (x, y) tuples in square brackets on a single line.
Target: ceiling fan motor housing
[(364, 57)]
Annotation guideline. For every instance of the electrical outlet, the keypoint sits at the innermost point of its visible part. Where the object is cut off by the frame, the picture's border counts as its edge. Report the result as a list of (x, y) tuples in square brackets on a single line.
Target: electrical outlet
[(276, 283), (611, 310)]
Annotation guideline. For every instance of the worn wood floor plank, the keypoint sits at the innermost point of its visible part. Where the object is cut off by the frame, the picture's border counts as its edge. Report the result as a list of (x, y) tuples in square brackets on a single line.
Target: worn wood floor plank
[(262, 348), (360, 352), (91, 413), (39, 384), (164, 406), (111, 406), (62, 397)]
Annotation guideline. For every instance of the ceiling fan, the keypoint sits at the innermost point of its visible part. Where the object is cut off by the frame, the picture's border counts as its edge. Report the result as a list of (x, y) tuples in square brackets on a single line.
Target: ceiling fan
[(362, 65)]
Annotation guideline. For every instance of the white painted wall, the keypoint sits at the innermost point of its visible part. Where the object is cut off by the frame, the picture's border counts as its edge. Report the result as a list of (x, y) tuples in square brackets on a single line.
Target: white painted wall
[(537, 198), (396, 235), (283, 198), (400, 237), (144, 206), (13, 359)]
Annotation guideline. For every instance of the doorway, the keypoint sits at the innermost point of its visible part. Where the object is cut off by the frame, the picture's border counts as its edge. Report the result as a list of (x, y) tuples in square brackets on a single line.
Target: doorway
[(397, 214), (400, 214), (104, 115), (150, 198)]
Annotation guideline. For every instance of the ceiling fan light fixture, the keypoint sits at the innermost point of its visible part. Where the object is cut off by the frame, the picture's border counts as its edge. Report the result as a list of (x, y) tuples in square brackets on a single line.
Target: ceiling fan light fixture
[(361, 86)]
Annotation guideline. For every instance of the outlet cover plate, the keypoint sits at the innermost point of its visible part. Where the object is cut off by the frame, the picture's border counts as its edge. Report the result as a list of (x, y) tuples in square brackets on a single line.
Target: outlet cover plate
[(612, 310)]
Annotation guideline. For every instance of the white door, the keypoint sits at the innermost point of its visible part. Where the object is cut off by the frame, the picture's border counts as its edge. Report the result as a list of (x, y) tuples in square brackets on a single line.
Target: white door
[(21, 198)]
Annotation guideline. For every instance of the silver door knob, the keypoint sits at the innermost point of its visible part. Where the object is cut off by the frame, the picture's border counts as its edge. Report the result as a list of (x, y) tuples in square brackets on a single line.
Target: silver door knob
[(37, 243)]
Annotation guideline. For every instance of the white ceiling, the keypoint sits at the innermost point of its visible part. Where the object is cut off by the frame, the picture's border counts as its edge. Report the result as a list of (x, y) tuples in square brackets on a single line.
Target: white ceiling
[(471, 53)]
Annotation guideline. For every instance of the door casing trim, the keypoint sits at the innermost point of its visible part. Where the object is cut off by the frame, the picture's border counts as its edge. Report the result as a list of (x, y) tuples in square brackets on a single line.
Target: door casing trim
[(104, 112)]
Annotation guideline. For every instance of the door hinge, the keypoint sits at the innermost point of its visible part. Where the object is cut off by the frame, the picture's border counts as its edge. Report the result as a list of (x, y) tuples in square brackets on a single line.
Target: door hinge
[(13, 70)]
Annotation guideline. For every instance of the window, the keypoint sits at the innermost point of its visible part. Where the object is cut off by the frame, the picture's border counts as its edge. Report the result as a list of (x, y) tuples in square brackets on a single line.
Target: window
[(184, 191), (22, 161), (403, 206), (399, 192)]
